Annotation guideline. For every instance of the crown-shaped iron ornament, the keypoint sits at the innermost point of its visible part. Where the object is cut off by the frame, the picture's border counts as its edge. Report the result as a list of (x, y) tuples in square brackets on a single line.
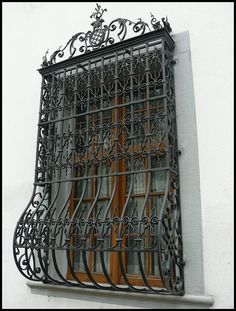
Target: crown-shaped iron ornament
[(100, 36)]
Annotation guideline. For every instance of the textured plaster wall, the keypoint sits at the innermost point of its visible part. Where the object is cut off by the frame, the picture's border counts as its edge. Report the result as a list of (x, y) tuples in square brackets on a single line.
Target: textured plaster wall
[(29, 29)]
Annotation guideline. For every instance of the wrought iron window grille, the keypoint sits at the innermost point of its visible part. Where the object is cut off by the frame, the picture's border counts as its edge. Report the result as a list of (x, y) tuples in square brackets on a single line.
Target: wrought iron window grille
[(105, 208)]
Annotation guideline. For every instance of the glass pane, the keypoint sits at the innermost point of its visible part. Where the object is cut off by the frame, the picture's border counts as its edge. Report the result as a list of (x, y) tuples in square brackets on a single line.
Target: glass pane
[(156, 76), (106, 181), (139, 183), (100, 209), (79, 187), (158, 121), (107, 130), (80, 135), (106, 187), (138, 124), (154, 270), (82, 211), (100, 212), (96, 262), (78, 261), (132, 263), (78, 266), (156, 204), (134, 208), (158, 182), (107, 140), (156, 105), (139, 109)]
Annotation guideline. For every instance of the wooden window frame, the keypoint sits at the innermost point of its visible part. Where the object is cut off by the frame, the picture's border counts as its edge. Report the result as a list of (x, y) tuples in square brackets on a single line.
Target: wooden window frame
[(118, 200)]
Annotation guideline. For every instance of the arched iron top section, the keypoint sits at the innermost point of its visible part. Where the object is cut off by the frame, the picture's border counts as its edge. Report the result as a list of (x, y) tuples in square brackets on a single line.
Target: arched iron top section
[(102, 35)]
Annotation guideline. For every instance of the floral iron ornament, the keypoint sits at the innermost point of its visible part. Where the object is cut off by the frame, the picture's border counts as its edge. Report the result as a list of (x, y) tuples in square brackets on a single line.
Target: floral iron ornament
[(105, 211), (101, 37)]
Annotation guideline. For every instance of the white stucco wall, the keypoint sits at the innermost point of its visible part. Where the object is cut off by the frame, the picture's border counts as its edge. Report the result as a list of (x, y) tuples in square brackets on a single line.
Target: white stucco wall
[(29, 29)]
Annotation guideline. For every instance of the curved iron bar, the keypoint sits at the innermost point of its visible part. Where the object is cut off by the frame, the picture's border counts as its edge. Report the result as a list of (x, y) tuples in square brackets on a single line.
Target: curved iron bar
[(120, 238), (20, 229), (173, 285), (78, 204), (115, 184), (104, 268), (64, 206), (99, 36), (124, 209), (140, 238), (93, 221), (85, 233), (21, 232), (70, 232)]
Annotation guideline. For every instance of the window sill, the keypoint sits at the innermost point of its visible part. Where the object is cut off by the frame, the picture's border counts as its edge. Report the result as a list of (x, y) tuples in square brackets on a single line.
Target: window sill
[(122, 298)]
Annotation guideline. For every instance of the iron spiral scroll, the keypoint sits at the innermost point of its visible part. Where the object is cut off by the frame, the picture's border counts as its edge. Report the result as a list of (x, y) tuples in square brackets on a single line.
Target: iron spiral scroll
[(88, 129), (33, 246), (101, 35)]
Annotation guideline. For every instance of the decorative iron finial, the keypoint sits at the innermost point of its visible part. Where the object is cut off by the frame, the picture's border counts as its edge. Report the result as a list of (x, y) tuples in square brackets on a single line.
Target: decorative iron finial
[(166, 24), (45, 62), (100, 36), (98, 13), (155, 23)]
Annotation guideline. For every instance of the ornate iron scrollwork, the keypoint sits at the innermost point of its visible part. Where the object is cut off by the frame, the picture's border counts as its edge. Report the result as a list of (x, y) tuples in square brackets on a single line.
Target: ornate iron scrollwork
[(101, 35), (106, 189)]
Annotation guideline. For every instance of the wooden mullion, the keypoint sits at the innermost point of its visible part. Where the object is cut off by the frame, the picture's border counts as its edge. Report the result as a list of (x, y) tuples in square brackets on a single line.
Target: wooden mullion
[(122, 179)]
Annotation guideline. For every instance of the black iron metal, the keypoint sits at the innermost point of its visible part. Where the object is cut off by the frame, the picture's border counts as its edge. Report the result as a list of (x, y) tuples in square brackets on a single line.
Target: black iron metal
[(80, 130), (100, 36)]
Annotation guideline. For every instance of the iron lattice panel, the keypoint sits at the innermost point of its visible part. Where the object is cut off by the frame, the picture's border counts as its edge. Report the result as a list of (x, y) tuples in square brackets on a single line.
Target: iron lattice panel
[(91, 129)]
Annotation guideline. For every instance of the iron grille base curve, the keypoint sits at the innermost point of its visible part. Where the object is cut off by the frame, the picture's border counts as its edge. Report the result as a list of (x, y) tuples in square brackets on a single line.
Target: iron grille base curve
[(139, 72)]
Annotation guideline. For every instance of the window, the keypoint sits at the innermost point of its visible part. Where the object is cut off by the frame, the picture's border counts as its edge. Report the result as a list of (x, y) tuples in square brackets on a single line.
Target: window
[(105, 210), (110, 196)]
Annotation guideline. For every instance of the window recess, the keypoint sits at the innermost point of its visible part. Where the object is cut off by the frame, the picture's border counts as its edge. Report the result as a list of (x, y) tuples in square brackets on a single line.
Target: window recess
[(105, 208)]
